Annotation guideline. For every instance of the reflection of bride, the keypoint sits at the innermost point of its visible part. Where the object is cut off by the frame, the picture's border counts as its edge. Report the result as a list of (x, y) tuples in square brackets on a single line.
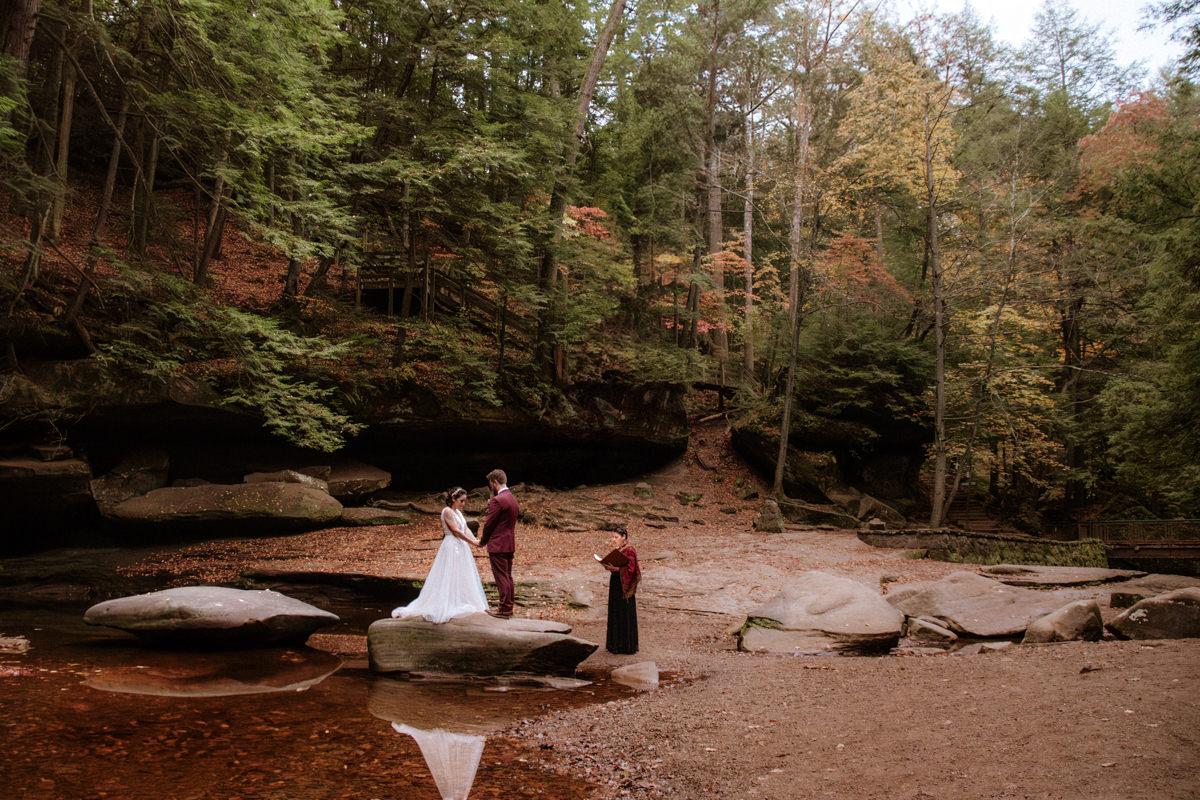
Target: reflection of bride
[(452, 588), (453, 758)]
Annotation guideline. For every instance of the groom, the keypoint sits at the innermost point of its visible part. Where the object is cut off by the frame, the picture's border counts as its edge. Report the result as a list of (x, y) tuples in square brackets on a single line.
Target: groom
[(499, 536)]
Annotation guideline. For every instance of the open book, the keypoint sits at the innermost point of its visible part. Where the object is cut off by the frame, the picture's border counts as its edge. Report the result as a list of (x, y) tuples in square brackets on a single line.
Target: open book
[(614, 559)]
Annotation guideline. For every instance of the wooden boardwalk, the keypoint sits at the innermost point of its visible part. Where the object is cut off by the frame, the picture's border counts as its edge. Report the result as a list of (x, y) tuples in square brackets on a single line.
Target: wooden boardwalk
[(1154, 538)]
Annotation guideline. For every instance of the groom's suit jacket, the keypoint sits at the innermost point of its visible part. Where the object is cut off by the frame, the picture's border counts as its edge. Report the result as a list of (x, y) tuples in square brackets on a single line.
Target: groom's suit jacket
[(500, 526)]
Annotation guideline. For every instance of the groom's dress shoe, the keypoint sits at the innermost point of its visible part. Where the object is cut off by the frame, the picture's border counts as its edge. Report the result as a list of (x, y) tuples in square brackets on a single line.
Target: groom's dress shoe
[(499, 614)]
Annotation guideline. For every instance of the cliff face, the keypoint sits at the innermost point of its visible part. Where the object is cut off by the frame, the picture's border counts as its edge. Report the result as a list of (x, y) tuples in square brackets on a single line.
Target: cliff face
[(81, 412)]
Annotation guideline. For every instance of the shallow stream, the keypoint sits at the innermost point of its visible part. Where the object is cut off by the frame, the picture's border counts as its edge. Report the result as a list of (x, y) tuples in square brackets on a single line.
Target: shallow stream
[(88, 713)]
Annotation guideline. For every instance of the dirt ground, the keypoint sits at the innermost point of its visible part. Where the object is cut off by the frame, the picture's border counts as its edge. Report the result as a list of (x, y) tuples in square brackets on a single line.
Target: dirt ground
[(1102, 720)]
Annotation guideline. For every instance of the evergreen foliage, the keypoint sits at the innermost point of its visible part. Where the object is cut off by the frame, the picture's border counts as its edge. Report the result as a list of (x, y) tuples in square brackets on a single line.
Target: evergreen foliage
[(987, 251)]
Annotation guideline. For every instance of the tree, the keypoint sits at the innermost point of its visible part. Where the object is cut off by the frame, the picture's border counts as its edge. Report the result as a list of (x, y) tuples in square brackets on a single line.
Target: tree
[(1184, 15), (1139, 178), (1067, 55), (818, 30)]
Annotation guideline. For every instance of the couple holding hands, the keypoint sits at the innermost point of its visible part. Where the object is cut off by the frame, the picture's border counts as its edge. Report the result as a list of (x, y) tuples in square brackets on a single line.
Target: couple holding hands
[(454, 589)]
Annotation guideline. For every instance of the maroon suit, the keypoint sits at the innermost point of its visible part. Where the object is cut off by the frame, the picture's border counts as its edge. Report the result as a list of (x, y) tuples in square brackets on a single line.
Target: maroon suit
[(499, 535)]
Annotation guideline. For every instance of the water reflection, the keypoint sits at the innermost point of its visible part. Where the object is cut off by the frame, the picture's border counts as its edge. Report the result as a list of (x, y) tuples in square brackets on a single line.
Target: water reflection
[(453, 758), (90, 714), (222, 674), (450, 733)]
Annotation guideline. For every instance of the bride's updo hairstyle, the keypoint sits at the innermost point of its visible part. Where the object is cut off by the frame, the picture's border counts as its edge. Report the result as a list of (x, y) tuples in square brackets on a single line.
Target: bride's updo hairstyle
[(454, 494)]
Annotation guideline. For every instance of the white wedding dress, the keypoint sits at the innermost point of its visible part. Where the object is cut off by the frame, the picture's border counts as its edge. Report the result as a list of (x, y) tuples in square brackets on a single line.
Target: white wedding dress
[(452, 588)]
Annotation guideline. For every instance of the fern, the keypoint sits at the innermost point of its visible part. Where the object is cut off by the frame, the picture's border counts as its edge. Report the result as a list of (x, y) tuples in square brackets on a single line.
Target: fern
[(174, 328)]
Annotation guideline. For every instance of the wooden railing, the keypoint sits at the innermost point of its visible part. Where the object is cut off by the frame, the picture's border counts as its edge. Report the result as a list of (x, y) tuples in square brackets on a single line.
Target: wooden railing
[(1141, 530), (1145, 538), (389, 271)]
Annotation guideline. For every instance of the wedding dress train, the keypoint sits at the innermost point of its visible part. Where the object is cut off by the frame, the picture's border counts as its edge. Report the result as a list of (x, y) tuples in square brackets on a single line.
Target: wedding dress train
[(452, 588)]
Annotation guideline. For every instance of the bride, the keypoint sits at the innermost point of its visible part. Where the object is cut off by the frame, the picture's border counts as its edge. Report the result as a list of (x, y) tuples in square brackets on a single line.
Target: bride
[(453, 588)]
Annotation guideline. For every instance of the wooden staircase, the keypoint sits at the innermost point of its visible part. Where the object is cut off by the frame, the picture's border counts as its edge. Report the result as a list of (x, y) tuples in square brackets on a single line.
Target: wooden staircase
[(968, 513), (448, 294)]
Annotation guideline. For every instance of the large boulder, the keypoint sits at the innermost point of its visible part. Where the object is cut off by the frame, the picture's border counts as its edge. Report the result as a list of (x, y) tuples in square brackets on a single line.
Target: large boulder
[(350, 478), (286, 504), (1174, 615), (806, 475), (821, 613), (865, 507), (1152, 585), (1077, 621), (138, 473), (211, 616), (869, 507), (476, 644), (972, 605)]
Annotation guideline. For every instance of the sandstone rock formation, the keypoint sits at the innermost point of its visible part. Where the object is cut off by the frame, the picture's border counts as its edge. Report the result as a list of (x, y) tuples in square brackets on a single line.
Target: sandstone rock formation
[(476, 645), (211, 616), (1174, 615), (1077, 621), (286, 504), (973, 605), (821, 613)]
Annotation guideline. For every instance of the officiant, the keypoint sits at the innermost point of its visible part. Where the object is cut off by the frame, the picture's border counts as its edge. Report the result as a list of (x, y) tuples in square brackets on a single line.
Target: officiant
[(622, 562)]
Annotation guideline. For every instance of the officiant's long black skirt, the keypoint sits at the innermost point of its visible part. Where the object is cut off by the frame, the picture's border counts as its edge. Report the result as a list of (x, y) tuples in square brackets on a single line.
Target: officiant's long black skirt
[(622, 619)]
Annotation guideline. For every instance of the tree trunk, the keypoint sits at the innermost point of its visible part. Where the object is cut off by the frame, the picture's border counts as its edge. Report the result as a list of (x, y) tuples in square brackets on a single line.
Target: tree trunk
[(795, 290), (291, 281), (715, 247), (711, 173), (212, 232), (110, 177), (1070, 327), (410, 272), (63, 138), (320, 278), (144, 205), (427, 294), (501, 336), (938, 501), (17, 27), (748, 253), (878, 232), (552, 279)]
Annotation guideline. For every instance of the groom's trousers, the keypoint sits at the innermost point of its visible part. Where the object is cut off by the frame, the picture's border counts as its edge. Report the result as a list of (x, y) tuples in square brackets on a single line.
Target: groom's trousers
[(502, 574)]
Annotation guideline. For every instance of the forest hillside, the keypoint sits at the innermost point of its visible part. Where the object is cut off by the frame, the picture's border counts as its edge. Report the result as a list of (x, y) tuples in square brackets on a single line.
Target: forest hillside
[(899, 241)]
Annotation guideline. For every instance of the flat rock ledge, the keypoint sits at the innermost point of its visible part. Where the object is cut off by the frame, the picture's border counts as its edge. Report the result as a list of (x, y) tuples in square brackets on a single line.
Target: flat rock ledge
[(476, 644), (211, 616), (1035, 575), (821, 613)]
